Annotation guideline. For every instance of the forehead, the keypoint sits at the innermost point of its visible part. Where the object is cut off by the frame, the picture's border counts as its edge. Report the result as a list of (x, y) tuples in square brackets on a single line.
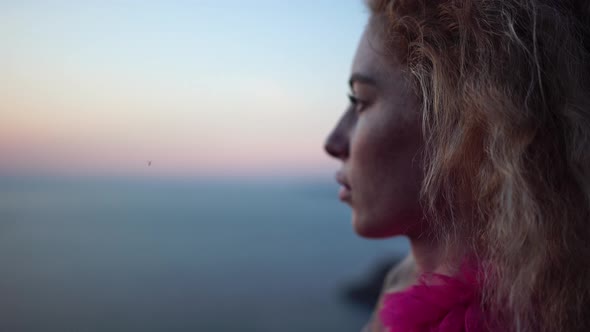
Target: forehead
[(370, 58)]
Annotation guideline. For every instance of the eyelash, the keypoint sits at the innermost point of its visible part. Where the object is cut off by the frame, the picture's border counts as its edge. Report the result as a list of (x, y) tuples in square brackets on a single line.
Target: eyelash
[(358, 104)]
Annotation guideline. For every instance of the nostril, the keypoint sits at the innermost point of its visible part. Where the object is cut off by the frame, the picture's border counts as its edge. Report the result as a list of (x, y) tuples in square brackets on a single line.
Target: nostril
[(329, 148), (335, 147)]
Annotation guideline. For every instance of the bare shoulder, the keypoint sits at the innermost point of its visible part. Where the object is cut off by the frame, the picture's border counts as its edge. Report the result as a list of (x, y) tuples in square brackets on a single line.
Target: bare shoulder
[(399, 277)]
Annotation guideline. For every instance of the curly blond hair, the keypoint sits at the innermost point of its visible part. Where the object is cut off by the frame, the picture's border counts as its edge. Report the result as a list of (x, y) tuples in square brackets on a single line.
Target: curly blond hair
[(505, 91)]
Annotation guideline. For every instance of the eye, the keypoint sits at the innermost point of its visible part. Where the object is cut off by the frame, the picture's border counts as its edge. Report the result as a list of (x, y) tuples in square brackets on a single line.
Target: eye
[(358, 104)]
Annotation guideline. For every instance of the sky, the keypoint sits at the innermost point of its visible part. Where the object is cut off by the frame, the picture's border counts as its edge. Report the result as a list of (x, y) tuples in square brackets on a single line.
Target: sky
[(202, 87)]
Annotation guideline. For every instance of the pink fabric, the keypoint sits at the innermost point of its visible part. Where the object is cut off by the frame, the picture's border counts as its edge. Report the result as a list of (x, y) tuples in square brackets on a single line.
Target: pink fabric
[(437, 304)]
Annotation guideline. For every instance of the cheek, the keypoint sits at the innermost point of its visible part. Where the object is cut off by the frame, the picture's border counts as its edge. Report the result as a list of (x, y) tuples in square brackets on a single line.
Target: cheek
[(377, 151), (385, 175)]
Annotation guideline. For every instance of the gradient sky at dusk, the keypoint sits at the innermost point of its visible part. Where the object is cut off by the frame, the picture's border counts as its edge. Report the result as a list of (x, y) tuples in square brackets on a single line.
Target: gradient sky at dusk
[(198, 87)]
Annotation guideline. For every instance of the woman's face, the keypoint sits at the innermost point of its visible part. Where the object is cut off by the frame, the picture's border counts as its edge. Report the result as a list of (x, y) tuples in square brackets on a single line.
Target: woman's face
[(378, 140)]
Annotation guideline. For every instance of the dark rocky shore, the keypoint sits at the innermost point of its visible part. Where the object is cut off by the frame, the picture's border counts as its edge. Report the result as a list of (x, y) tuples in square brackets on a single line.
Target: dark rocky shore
[(365, 292)]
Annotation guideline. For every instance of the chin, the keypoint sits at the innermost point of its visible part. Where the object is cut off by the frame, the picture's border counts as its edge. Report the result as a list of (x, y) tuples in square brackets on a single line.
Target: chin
[(368, 228), (371, 227)]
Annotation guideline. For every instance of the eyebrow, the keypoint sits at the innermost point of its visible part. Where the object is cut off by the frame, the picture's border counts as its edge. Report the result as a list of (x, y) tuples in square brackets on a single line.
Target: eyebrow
[(361, 78)]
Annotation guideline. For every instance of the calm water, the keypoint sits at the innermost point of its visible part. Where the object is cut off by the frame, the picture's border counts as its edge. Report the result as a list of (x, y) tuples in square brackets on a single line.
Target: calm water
[(131, 255)]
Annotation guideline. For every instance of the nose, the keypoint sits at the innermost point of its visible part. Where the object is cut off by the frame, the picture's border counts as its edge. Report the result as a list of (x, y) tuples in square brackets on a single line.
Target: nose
[(337, 144)]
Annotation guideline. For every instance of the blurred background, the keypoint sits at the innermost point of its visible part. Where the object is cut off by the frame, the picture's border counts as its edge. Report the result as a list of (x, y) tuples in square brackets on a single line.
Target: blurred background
[(161, 167)]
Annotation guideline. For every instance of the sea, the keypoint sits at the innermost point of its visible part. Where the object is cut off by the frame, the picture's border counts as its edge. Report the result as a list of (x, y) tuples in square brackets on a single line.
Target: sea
[(90, 254)]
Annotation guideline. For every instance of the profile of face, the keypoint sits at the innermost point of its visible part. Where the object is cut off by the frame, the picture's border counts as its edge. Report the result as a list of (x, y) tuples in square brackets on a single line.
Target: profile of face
[(378, 139)]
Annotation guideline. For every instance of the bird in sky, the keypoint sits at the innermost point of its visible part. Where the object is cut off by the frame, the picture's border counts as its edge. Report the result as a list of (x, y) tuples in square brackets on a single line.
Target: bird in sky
[(149, 163)]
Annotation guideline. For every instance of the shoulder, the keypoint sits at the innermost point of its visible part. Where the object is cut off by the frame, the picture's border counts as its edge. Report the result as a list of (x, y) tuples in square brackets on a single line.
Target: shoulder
[(399, 277)]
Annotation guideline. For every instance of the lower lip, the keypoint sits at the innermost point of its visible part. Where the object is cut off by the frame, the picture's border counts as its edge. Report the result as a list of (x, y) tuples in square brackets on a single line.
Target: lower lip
[(344, 194)]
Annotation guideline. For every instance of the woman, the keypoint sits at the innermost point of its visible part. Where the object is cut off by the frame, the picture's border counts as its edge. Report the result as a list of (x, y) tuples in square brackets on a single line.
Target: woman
[(468, 131)]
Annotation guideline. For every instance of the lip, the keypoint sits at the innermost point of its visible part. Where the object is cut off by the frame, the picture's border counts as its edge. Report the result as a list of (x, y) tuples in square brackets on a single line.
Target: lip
[(345, 191), (344, 194)]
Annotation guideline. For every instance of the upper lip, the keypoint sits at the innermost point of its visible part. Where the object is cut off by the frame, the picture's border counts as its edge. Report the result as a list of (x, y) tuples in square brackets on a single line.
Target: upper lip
[(341, 178)]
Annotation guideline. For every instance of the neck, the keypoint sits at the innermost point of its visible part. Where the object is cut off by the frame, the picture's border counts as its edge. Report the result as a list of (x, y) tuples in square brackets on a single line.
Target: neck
[(431, 256)]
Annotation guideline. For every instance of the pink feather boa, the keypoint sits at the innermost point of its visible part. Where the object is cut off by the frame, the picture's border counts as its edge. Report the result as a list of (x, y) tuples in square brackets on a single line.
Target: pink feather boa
[(438, 303)]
